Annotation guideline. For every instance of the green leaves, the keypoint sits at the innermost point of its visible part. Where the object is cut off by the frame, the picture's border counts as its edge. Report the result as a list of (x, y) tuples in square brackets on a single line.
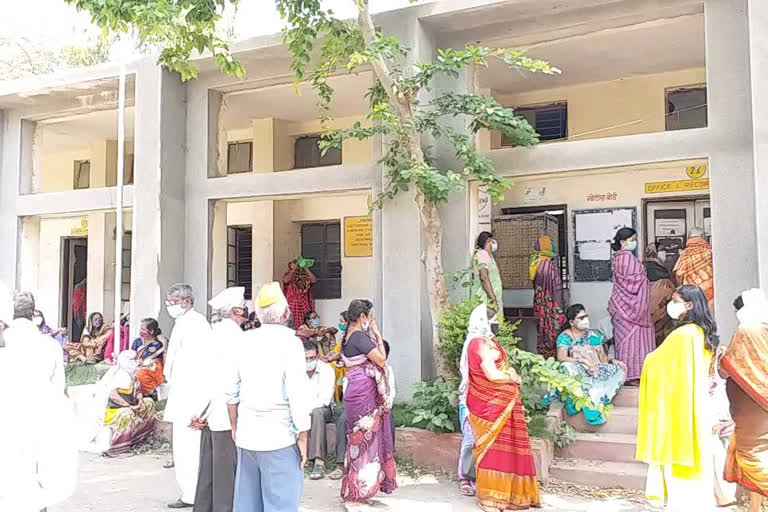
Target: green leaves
[(434, 406)]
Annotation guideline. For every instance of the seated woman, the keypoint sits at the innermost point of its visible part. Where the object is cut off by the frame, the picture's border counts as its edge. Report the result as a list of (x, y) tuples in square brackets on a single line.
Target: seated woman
[(129, 415), (150, 347), (580, 350), (311, 330), (334, 358), (90, 349)]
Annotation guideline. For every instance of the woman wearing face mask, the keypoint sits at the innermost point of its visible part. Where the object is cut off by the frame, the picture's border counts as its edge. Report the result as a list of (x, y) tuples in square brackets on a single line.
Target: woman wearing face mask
[(628, 306), (580, 349), (486, 279), (90, 349), (675, 420), (662, 288), (150, 348), (548, 300), (311, 330), (369, 460), (334, 359)]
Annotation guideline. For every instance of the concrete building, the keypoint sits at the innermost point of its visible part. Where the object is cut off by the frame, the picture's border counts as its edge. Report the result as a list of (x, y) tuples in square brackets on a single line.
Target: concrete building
[(656, 120)]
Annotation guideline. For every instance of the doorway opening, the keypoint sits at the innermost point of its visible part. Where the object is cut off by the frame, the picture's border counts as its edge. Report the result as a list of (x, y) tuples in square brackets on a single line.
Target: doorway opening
[(73, 287), (669, 221)]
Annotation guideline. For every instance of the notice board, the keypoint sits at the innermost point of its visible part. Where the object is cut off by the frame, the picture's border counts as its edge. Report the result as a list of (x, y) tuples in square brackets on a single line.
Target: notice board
[(358, 237), (593, 232)]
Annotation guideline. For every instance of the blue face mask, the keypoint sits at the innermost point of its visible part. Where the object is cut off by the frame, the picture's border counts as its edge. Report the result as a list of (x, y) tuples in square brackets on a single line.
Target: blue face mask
[(631, 246), (494, 245), (315, 323)]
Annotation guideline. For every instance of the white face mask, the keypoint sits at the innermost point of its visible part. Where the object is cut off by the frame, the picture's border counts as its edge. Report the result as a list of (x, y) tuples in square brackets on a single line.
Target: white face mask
[(583, 324), (311, 365), (366, 325), (494, 246), (38, 321), (676, 310), (175, 310), (662, 255)]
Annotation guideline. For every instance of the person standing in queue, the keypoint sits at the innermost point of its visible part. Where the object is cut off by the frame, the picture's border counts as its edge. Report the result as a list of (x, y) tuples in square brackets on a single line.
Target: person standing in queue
[(486, 279)]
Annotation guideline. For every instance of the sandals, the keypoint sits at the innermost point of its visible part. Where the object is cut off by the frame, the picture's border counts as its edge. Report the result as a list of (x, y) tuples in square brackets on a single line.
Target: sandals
[(466, 488), (318, 472), (336, 474)]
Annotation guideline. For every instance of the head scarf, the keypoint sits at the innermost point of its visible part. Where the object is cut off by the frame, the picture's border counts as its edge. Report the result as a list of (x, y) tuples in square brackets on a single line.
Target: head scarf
[(544, 249), (755, 310), (479, 327)]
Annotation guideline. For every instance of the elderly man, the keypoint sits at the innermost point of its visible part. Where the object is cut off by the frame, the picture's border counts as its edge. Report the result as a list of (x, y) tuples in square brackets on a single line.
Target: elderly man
[(45, 357), (694, 266), (185, 366), (322, 381), (218, 457), (269, 410)]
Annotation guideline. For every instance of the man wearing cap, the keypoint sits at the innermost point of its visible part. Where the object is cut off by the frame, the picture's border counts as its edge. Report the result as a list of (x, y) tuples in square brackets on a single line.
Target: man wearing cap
[(269, 410), (185, 367), (218, 457)]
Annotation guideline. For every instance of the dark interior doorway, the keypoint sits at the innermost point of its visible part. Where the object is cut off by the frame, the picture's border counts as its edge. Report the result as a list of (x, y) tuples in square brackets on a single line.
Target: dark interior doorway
[(73, 288)]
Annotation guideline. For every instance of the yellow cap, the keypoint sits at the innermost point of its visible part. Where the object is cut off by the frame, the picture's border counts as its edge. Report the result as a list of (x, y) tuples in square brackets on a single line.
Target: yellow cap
[(269, 294)]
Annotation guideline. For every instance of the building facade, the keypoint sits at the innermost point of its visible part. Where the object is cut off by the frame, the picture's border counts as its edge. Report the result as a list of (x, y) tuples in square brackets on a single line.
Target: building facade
[(656, 120)]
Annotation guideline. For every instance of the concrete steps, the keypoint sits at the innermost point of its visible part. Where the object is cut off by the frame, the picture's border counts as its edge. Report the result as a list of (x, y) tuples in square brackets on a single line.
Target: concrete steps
[(599, 473), (622, 420), (627, 397), (607, 447)]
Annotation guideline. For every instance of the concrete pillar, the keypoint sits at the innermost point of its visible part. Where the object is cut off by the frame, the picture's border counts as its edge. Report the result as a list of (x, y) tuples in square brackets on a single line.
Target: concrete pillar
[(263, 144), (159, 207), (99, 151), (732, 164), (218, 248), (10, 139), (26, 180), (29, 254), (216, 135), (97, 228), (758, 52)]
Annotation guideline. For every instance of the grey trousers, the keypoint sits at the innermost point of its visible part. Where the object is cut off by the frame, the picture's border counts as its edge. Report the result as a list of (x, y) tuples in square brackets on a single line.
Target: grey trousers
[(216, 477), (317, 444), (268, 481), (341, 436)]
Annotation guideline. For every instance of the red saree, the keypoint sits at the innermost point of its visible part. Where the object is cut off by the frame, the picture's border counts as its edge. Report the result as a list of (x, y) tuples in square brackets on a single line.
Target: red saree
[(506, 473)]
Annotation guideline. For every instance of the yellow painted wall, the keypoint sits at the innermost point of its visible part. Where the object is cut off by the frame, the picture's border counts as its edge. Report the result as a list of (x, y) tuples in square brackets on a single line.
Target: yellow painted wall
[(57, 168), (608, 109), (258, 214)]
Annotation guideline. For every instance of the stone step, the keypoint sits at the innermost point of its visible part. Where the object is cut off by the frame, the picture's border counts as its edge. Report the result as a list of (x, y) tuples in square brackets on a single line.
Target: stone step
[(598, 473), (607, 447), (627, 396), (622, 420)]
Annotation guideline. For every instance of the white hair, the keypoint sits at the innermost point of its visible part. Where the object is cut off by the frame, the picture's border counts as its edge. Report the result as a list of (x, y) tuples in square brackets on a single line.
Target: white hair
[(182, 291), (697, 231), (274, 314), (217, 315)]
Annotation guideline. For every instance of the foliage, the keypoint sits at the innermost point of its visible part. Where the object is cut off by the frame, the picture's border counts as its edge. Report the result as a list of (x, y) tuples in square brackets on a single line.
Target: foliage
[(563, 435), (538, 427), (25, 58), (434, 406), (81, 374)]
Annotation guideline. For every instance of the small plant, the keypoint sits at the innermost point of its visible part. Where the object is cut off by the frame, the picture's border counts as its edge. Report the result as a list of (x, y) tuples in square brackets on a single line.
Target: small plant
[(563, 435), (538, 427), (434, 406)]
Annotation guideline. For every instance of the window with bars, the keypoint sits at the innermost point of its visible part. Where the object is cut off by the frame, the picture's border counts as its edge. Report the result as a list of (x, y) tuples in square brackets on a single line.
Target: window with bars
[(686, 108), (125, 275), (240, 258), (82, 174), (239, 157), (322, 243), (306, 153), (550, 121)]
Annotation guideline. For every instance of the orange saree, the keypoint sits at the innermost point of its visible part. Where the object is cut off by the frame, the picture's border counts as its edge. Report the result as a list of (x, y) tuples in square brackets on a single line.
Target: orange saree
[(695, 267), (506, 473)]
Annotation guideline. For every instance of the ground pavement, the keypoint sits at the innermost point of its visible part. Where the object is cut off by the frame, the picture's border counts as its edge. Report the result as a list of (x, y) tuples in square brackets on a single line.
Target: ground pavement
[(138, 483)]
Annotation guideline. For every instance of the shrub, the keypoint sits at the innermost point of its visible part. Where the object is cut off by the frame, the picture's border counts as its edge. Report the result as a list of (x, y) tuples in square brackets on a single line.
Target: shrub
[(434, 406), (80, 374)]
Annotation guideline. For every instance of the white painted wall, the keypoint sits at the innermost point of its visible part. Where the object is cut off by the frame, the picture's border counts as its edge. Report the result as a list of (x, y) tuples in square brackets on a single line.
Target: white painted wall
[(258, 214)]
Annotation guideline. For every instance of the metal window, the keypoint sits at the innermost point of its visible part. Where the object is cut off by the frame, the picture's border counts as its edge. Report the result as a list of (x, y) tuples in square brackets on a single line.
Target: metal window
[(686, 108), (306, 153), (125, 275), (240, 258), (550, 121), (82, 174), (322, 243), (239, 157)]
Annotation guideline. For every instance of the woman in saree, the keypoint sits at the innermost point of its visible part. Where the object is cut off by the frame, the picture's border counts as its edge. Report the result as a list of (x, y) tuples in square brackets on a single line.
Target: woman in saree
[(675, 419), (628, 306), (311, 330), (486, 279), (504, 467), (90, 349), (129, 415), (150, 347), (662, 288), (548, 299), (745, 363), (580, 350), (297, 287), (369, 464)]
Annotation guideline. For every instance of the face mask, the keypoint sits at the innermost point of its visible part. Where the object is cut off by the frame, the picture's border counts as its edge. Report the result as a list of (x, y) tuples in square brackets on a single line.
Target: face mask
[(175, 310), (144, 334), (495, 329), (312, 365), (366, 325), (494, 246), (631, 246), (315, 323), (38, 321), (583, 324), (97, 323), (676, 310), (342, 327), (662, 256)]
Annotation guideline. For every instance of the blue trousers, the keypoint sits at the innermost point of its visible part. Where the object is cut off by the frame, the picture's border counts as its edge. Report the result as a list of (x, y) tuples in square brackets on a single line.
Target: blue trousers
[(268, 481)]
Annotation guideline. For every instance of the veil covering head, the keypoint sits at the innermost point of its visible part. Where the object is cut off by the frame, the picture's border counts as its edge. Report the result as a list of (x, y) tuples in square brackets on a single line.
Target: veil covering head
[(479, 327)]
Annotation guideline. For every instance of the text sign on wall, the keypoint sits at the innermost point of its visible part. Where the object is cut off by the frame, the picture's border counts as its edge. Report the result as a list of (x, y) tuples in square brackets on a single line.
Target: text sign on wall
[(676, 186), (484, 210), (83, 229), (696, 171), (358, 237)]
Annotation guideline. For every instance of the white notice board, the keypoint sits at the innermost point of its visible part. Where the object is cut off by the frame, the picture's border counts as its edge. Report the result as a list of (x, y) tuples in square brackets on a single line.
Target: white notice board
[(593, 232)]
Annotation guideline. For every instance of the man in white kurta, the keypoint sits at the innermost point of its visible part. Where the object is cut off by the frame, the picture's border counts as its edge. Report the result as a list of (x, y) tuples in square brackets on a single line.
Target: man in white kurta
[(185, 365)]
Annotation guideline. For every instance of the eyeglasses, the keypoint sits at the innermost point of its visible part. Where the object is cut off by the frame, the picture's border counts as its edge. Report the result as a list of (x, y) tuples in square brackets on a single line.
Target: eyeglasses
[(173, 302)]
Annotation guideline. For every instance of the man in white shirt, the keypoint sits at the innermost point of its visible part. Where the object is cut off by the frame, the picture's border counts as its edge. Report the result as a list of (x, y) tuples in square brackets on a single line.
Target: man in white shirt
[(269, 410), (184, 368), (322, 381), (218, 456)]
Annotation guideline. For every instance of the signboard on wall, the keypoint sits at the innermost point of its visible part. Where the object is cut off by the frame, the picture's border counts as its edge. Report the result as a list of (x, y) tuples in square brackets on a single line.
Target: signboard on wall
[(358, 237), (484, 210), (658, 187), (83, 229)]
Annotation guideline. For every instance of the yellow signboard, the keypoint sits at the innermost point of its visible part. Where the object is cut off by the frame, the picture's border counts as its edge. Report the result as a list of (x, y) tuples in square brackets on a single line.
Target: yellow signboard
[(658, 187), (358, 237), (83, 229), (696, 171)]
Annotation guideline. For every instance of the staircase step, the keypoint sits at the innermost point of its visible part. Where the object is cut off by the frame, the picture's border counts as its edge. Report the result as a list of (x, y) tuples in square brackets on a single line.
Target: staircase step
[(622, 420), (598, 473), (607, 447), (628, 396)]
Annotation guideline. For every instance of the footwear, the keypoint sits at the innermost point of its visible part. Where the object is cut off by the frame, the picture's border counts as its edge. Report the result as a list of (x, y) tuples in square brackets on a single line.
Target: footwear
[(466, 488), (180, 504), (169, 464), (336, 474), (318, 472)]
